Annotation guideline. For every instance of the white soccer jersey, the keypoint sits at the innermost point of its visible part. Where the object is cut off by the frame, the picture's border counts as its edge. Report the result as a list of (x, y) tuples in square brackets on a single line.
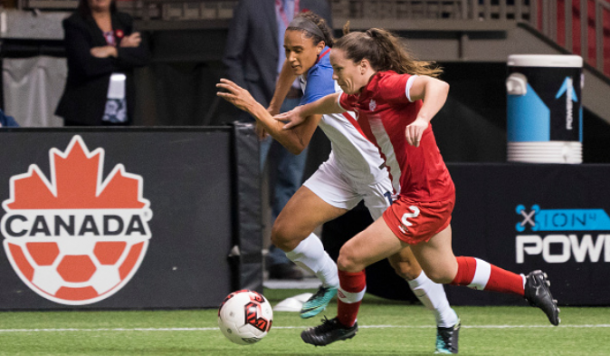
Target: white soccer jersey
[(358, 159)]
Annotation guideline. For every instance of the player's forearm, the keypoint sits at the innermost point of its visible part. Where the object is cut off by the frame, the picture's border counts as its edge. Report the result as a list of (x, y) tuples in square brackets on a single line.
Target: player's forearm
[(288, 139), (282, 87), (435, 96), (325, 105)]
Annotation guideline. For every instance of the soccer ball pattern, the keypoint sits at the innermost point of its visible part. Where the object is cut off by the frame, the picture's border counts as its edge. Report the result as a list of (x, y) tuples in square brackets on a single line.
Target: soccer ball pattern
[(76, 271), (245, 317)]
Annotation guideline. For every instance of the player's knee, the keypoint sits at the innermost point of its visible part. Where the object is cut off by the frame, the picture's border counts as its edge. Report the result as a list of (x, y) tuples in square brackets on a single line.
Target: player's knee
[(280, 237), (347, 262), (284, 237)]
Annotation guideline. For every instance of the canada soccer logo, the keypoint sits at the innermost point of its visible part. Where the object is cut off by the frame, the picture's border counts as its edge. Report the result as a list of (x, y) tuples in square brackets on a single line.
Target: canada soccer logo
[(78, 238)]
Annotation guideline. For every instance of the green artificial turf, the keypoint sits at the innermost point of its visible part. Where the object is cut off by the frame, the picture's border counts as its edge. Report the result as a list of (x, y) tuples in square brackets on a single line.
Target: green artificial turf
[(387, 328)]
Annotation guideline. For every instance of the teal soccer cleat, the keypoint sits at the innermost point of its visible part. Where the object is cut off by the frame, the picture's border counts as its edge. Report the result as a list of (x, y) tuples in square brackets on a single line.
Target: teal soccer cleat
[(447, 339), (318, 302)]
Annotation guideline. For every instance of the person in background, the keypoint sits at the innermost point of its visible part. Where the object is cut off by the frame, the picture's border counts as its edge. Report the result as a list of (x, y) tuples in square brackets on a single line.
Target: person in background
[(254, 57), (7, 121), (102, 51)]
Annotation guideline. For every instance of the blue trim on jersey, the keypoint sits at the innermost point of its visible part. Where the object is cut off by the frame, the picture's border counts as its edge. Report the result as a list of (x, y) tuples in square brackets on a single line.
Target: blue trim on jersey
[(320, 81)]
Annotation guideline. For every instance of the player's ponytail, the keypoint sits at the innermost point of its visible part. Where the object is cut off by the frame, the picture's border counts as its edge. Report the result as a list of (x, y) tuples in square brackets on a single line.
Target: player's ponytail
[(384, 52), (313, 26)]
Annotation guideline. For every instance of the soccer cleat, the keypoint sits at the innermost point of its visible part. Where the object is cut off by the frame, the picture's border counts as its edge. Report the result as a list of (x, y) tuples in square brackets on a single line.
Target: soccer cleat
[(538, 294), (447, 339), (330, 331), (318, 302)]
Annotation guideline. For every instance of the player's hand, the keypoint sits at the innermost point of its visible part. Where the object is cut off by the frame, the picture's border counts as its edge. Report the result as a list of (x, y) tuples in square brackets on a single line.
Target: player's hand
[(260, 131), (103, 51), (291, 118), (132, 40), (414, 132), (235, 94)]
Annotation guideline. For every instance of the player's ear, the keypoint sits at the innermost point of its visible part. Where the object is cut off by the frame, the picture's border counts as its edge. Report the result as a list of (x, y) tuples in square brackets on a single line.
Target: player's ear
[(364, 64), (320, 47)]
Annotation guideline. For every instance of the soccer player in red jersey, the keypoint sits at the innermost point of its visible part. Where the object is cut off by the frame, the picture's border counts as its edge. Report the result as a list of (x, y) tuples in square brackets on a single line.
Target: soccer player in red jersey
[(394, 109), (354, 171)]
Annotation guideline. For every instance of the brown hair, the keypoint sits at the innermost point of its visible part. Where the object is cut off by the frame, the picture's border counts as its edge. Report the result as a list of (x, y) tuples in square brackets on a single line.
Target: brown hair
[(321, 23), (384, 51)]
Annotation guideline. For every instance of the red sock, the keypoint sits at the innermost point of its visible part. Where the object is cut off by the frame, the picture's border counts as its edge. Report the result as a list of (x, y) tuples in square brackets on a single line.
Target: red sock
[(350, 293), (481, 275)]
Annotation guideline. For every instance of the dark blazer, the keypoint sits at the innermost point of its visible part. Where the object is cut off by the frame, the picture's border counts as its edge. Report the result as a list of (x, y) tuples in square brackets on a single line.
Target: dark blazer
[(84, 97), (7, 121), (251, 55)]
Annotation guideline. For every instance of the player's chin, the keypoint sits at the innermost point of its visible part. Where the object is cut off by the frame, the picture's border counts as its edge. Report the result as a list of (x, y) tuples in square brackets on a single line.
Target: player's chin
[(297, 70)]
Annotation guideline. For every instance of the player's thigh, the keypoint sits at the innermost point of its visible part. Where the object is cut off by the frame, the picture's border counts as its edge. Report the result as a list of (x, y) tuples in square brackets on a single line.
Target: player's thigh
[(326, 195), (377, 198), (302, 214), (436, 257), (373, 244), (330, 185)]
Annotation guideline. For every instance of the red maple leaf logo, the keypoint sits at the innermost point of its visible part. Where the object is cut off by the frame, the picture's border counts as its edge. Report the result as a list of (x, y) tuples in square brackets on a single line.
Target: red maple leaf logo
[(76, 183)]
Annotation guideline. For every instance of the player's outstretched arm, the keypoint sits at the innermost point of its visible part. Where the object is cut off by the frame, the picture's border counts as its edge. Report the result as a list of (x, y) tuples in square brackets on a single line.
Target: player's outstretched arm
[(433, 92), (325, 105), (295, 141), (282, 87)]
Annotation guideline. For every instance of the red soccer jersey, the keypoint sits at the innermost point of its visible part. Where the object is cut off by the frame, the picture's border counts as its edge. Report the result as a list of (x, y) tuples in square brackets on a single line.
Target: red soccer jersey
[(383, 111)]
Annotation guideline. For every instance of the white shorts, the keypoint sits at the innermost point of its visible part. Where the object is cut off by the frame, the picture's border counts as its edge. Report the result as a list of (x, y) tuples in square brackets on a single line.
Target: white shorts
[(339, 191)]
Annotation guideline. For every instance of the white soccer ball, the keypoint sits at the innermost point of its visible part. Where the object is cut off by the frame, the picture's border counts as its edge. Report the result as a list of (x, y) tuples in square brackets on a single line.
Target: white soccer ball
[(245, 317)]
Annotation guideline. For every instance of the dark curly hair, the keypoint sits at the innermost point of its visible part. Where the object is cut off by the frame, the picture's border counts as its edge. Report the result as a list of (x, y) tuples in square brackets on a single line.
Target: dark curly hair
[(321, 23)]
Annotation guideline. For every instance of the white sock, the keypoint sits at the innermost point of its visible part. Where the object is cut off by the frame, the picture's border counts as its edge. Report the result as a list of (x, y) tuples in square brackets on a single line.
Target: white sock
[(311, 256), (433, 297)]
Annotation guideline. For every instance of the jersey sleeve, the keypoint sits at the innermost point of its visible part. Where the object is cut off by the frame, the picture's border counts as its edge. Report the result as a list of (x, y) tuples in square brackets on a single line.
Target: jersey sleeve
[(346, 102), (395, 88), (319, 85)]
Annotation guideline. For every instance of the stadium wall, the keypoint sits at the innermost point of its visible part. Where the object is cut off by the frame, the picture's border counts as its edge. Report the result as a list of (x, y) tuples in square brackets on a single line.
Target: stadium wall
[(520, 217), (129, 218)]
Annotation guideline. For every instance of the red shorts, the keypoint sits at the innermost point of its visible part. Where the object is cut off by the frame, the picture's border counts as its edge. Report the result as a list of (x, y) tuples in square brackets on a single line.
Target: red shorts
[(415, 222)]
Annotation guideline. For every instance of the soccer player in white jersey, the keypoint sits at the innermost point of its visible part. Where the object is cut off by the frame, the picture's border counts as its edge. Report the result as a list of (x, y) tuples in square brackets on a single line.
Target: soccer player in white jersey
[(353, 172)]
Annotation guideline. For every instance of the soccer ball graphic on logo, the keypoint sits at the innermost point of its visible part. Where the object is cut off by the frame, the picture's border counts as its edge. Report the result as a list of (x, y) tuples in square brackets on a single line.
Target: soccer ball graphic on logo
[(245, 317), (74, 271)]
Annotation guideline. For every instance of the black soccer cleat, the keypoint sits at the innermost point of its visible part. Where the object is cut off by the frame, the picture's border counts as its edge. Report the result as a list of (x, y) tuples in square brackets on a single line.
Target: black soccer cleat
[(330, 331), (538, 294), (447, 339)]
